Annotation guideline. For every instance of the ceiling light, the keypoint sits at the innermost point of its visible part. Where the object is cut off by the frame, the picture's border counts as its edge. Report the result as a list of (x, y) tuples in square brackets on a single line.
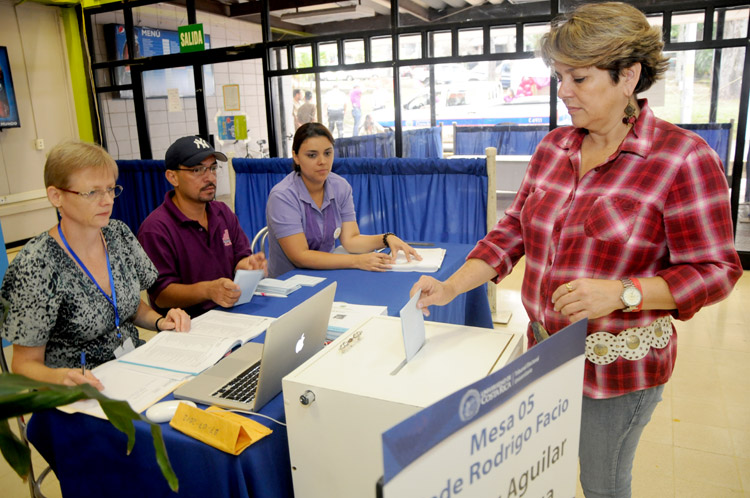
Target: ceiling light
[(328, 15)]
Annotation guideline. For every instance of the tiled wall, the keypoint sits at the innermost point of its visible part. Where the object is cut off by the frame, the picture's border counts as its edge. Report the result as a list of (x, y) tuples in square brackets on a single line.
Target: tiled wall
[(118, 115)]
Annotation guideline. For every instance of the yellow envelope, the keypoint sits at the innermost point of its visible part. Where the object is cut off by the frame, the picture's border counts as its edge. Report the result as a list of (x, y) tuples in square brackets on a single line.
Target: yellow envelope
[(226, 431)]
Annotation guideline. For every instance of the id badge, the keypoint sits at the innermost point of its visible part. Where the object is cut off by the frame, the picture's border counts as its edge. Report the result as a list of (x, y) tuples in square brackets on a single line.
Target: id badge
[(125, 348)]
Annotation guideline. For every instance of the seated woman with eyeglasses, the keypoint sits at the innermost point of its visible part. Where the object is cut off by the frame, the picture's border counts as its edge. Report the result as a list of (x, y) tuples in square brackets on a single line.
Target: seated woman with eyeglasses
[(74, 291)]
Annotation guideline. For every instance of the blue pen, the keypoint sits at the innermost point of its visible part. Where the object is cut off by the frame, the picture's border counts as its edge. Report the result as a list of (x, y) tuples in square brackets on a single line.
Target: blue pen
[(83, 362)]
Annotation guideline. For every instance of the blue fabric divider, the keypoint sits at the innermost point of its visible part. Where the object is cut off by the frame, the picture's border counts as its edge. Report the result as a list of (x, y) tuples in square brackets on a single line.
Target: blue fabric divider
[(439, 200), (144, 186), (511, 140), (716, 136), (523, 139), (424, 142), (254, 179), (378, 145)]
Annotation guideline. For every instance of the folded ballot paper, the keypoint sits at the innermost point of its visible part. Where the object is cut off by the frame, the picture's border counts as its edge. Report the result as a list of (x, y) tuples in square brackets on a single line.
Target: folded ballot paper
[(273, 286), (219, 428)]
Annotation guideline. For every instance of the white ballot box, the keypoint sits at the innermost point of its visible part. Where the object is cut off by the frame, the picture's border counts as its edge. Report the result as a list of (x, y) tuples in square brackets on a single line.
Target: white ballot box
[(341, 400)]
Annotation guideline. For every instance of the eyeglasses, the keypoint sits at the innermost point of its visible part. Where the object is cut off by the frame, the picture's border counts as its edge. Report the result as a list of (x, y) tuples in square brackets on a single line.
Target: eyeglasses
[(97, 194), (201, 170)]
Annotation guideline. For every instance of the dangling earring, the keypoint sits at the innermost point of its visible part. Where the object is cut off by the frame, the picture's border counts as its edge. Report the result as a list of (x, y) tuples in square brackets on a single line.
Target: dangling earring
[(629, 114)]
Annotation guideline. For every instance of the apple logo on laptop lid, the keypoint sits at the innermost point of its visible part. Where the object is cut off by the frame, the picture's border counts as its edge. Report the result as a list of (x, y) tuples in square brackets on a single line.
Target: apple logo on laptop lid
[(300, 344)]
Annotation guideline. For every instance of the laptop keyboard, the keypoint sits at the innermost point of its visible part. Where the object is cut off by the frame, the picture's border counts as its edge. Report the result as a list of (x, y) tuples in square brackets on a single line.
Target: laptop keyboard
[(241, 388)]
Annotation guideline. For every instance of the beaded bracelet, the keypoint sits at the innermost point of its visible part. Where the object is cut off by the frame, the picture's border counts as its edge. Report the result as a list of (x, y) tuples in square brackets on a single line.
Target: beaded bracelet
[(385, 238)]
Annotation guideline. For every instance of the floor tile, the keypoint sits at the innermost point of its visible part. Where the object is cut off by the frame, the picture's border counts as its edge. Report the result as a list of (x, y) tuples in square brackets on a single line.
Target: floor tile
[(703, 437), (692, 489), (706, 468), (699, 412), (740, 442)]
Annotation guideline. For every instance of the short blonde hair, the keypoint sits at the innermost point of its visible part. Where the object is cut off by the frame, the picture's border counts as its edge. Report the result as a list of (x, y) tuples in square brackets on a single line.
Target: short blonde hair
[(611, 36), (67, 158)]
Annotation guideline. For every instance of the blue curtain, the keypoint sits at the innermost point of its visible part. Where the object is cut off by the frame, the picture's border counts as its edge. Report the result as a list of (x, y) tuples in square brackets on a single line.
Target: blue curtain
[(378, 145), (144, 186), (254, 179), (440, 200), (424, 142), (716, 136), (518, 140)]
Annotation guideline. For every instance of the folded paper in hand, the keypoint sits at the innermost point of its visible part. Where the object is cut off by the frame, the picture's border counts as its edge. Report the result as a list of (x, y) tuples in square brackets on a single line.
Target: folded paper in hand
[(219, 428), (248, 282)]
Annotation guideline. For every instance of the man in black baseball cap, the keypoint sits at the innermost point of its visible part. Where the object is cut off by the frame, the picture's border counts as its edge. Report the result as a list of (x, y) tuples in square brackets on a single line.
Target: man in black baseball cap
[(190, 151), (194, 241)]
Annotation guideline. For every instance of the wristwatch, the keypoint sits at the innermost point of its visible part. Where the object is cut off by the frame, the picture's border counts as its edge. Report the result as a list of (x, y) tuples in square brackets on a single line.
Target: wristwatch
[(632, 295)]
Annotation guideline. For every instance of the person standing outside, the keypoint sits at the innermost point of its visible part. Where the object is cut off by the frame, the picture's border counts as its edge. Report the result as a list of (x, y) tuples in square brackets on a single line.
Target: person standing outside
[(307, 113), (335, 102), (355, 97), (296, 104), (195, 242), (624, 219)]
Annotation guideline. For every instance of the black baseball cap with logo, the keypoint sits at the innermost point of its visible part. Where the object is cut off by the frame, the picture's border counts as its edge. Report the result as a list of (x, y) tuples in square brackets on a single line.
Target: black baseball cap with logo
[(190, 151)]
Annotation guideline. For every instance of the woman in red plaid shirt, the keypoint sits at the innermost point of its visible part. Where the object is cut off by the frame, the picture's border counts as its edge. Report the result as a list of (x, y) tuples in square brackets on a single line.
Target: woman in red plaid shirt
[(624, 219)]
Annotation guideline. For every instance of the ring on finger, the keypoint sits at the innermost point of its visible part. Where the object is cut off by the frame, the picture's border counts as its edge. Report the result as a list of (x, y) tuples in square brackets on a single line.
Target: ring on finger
[(569, 287)]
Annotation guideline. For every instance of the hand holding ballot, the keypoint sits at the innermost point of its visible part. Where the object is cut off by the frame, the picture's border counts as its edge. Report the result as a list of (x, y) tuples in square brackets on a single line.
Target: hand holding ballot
[(472, 274)]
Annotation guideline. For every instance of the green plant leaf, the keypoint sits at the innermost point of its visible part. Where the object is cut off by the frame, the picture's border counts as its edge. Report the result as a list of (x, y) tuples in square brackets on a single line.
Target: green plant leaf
[(16, 453), (20, 395)]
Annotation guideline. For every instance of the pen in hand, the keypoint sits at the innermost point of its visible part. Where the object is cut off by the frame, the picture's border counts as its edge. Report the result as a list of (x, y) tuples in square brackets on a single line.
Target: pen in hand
[(83, 363)]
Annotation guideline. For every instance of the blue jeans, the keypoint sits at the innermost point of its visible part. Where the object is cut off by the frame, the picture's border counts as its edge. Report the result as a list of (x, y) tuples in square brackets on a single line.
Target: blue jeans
[(357, 115), (610, 431)]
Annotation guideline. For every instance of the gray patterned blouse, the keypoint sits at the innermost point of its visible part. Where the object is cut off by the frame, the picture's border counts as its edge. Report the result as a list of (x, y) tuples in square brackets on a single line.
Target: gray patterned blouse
[(53, 302)]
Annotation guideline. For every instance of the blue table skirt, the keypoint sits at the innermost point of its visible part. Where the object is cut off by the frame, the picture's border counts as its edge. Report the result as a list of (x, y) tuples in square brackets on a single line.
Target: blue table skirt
[(88, 455)]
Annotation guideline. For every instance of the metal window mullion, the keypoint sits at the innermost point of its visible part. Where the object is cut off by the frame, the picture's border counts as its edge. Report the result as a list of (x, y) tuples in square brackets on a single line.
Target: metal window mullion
[(396, 78)]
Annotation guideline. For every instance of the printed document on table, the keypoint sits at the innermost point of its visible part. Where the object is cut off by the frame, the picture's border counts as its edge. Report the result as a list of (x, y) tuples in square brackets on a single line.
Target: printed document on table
[(345, 316), (140, 386), (304, 280), (432, 260), (212, 335), (233, 325)]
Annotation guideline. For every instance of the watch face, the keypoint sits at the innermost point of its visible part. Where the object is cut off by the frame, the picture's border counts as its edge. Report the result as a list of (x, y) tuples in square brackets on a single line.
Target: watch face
[(631, 296)]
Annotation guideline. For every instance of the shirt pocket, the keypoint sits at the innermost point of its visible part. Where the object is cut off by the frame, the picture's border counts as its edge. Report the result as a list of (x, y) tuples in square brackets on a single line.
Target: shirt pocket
[(531, 207), (612, 219)]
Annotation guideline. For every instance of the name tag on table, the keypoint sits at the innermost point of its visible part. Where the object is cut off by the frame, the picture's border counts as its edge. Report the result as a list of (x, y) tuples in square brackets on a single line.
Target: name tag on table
[(225, 431)]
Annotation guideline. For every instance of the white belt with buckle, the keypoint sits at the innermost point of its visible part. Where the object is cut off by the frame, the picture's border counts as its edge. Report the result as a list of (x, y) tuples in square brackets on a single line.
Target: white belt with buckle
[(602, 348)]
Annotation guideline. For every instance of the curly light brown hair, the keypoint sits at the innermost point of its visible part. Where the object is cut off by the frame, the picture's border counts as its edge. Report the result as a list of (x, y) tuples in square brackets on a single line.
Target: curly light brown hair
[(611, 36)]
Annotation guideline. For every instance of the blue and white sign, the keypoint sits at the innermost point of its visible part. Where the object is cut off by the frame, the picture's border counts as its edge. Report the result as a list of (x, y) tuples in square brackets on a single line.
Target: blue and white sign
[(512, 434), (151, 42)]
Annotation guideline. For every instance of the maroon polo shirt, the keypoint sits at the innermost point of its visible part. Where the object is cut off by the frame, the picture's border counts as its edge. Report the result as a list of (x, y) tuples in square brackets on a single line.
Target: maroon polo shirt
[(185, 253)]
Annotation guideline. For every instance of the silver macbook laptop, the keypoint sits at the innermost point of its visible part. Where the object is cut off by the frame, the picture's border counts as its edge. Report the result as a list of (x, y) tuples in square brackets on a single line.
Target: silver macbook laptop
[(251, 376)]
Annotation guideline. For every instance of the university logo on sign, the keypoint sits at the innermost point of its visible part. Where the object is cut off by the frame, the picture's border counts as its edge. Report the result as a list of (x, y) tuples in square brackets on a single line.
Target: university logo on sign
[(191, 38)]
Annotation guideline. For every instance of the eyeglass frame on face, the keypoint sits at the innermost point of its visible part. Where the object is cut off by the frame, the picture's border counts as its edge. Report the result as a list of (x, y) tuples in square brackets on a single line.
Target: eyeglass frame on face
[(199, 171), (112, 192)]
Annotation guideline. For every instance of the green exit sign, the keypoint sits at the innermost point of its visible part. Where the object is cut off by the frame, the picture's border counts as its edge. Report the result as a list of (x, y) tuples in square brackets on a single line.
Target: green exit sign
[(191, 38)]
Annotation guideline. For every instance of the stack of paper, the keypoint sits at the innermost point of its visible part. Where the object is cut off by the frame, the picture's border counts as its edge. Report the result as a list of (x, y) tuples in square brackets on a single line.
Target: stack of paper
[(432, 259), (278, 287), (345, 316)]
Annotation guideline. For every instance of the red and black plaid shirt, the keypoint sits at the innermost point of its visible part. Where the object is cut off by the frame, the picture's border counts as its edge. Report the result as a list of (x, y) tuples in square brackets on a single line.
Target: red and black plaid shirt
[(657, 206)]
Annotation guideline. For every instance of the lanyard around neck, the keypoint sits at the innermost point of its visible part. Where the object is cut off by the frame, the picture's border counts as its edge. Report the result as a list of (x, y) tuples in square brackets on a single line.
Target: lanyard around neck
[(112, 300)]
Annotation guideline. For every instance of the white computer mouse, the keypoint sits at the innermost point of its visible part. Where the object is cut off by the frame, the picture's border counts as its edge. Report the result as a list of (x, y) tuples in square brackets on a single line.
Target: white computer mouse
[(163, 411)]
